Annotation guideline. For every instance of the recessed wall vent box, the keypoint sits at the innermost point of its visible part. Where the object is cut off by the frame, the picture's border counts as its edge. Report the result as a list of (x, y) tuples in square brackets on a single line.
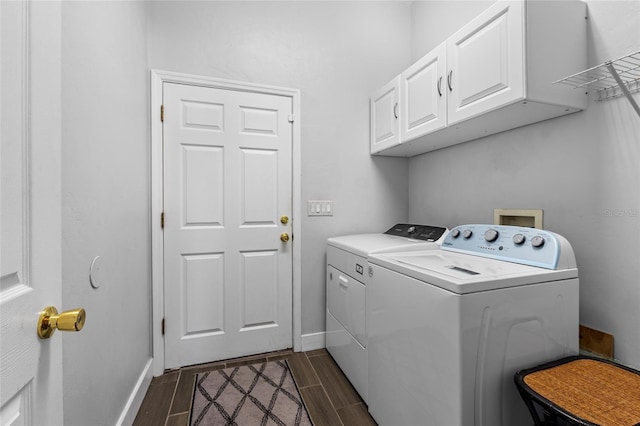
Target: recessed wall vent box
[(514, 217)]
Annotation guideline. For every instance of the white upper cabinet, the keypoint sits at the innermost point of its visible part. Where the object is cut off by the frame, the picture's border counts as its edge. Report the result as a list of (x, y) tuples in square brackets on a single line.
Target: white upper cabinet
[(494, 74), (423, 95), (385, 109), (485, 62)]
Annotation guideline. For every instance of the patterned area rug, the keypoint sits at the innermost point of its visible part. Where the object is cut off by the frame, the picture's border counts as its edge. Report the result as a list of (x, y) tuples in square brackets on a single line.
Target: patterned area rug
[(258, 394)]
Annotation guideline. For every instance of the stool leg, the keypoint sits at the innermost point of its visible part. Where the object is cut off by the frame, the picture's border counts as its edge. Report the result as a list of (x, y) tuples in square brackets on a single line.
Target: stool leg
[(532, 409), (550, 419)]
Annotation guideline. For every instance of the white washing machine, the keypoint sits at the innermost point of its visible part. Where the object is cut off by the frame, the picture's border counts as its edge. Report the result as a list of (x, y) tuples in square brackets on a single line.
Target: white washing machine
[(347, 276), (448, 328)]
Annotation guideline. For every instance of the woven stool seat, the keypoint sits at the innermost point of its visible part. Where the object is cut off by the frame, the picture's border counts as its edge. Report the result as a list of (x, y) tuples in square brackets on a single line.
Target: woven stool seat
[(582, 391)]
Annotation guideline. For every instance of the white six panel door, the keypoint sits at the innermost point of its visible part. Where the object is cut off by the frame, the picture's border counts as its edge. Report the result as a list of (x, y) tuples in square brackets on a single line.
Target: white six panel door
[(227, 182), (30, 221)]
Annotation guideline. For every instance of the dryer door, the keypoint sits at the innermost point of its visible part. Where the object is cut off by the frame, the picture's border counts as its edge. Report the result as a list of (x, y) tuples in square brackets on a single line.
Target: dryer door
[(346, 302)]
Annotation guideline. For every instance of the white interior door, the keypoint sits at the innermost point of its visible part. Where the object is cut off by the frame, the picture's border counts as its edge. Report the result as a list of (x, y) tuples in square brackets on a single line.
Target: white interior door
[(227, 183), (30, 274)]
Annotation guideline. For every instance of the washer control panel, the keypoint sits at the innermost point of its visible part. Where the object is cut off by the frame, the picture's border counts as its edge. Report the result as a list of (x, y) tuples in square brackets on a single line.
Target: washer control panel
[(527, 246), (417, 232)]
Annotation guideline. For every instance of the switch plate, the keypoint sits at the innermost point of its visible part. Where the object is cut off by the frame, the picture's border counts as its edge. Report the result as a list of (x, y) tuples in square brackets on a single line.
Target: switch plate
[(320, 208)]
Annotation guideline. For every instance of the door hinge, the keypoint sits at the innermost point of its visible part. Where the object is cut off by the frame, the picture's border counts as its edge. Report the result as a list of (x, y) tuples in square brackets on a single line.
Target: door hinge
[(162, 113), (162, 220), (163, 326), (291, 118)]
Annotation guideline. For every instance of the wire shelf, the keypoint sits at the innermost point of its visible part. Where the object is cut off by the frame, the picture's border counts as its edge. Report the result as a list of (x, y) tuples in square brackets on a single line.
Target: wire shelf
[(602, 78)]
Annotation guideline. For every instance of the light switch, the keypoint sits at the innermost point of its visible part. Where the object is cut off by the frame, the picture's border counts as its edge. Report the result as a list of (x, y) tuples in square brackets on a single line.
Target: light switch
[(320, 208)]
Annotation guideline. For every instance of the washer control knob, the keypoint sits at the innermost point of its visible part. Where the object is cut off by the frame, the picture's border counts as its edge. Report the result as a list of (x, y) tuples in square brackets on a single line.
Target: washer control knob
[(491, 235), (467, 233), (537, 241), (518, 239), (455, 233), (411, 229)]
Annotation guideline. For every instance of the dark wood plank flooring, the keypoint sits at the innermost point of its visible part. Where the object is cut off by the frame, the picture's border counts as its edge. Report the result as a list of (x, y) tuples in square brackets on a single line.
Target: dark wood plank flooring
[(327, 394)]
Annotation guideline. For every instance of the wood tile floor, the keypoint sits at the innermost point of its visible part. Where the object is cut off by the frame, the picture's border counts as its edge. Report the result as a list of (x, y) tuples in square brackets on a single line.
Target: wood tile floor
[(327, 394)]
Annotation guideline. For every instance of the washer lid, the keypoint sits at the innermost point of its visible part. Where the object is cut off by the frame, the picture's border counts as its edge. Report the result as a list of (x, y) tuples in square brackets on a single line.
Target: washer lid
[(462, 274)]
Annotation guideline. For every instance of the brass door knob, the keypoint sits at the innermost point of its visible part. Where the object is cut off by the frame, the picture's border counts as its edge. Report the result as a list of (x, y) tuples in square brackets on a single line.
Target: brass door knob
[(50, 320), (284, 237), (284, 219)]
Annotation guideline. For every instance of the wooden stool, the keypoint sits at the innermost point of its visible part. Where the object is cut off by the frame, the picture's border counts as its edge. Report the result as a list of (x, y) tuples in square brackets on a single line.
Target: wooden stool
[(582, 390)]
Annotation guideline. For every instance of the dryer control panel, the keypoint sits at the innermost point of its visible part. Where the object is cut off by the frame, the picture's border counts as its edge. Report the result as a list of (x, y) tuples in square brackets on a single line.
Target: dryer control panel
[(527, 246), (417, 232)]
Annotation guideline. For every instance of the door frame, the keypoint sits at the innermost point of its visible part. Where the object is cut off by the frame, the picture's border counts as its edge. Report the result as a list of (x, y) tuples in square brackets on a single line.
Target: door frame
[(158, 78)]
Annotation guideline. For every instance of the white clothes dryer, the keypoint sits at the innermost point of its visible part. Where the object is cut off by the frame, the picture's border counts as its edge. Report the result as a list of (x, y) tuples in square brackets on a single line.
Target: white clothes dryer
[(448, 328), (347, 275)]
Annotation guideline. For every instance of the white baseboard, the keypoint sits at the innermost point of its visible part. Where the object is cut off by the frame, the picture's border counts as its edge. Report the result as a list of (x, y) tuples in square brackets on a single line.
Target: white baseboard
[(138, 393), (313, 341)]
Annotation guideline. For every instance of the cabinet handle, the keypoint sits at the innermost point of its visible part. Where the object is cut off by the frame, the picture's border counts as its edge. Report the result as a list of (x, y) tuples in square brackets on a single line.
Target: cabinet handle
[(439, 86), (395, 110), (449, 80)]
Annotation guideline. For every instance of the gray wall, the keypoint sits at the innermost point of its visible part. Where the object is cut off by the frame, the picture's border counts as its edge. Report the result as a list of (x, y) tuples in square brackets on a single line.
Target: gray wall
[(105, 205), (582, 170), (335, 53)]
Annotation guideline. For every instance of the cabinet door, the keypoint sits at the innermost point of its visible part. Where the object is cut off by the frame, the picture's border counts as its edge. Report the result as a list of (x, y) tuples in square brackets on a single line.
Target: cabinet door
[(423, 97), (485, 61), (385, 126)]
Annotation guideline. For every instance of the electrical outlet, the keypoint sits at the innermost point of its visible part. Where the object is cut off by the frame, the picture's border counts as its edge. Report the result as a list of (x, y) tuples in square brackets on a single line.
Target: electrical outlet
[(320, 208)]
